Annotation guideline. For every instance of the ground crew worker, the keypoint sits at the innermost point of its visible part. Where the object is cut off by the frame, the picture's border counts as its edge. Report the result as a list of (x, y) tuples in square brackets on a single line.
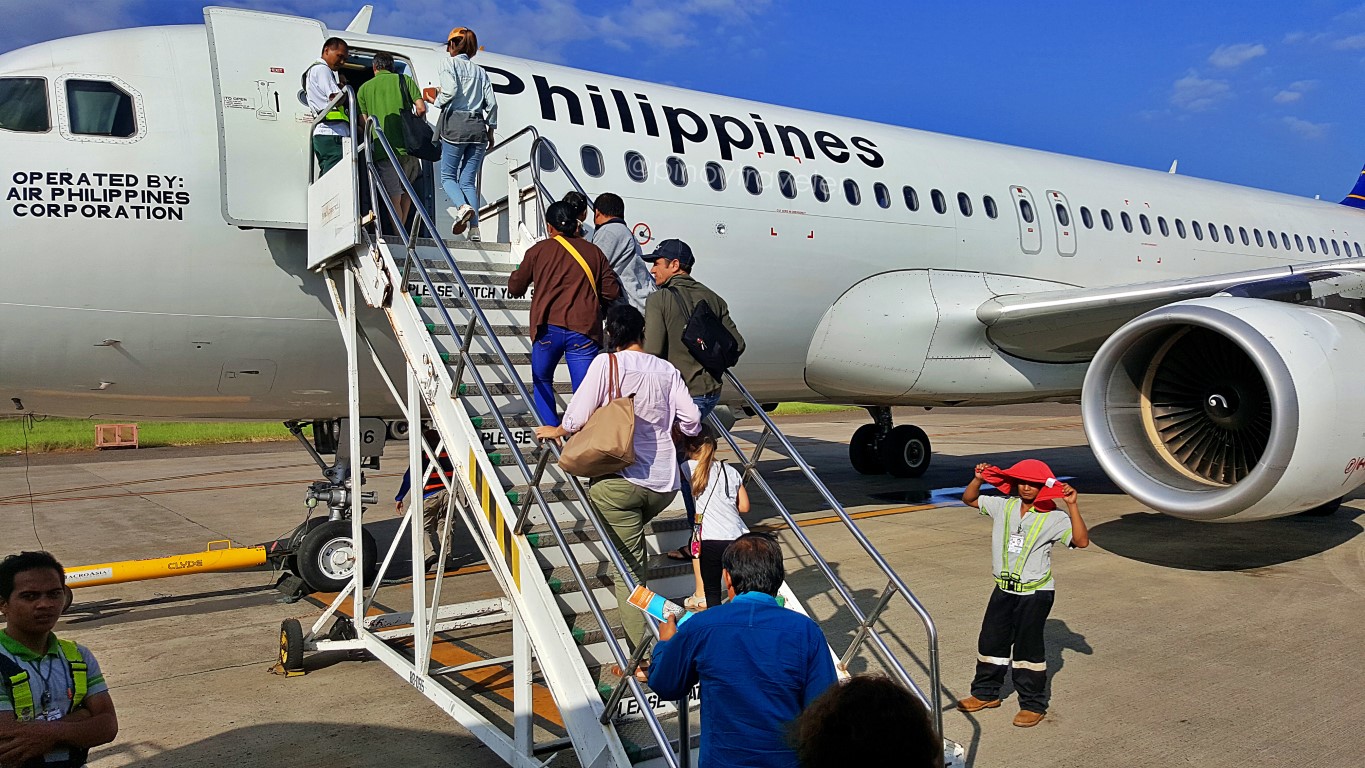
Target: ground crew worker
[(1024, 529), (434, 494), (54, 703), (321, 84)]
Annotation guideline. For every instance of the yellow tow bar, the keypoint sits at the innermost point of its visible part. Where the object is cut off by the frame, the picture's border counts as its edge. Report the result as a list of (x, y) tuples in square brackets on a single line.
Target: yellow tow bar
[(219, 557)]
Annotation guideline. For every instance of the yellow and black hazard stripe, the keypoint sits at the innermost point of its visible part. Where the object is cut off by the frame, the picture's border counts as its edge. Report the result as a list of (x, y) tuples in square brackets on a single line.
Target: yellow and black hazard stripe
[(484, 495)]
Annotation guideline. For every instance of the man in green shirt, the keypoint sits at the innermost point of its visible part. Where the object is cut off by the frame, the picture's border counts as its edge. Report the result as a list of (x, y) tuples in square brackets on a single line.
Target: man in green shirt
[(54, 703), (383, 99)]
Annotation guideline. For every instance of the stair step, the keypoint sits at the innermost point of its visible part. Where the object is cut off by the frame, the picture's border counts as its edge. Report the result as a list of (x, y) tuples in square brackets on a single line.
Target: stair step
[(511, 305), (460, 246), (554, 492), (540, 535), (586, 630), (482, 359), (603, 574), (441, 329), (498, 388)]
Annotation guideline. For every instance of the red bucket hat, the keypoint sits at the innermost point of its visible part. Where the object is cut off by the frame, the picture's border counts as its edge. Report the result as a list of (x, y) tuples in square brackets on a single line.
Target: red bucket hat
[(1031, 471)]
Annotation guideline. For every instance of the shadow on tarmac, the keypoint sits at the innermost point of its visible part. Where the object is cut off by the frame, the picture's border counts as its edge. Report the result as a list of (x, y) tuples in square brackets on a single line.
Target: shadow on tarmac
[(315, 743), (1192, 546)]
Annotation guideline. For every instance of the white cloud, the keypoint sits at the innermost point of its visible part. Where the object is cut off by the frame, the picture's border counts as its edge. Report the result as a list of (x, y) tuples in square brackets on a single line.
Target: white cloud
[(1233, 56), (1350, 43), (1195, 94), (1287, 97), (1293, 93), (1306, 129)]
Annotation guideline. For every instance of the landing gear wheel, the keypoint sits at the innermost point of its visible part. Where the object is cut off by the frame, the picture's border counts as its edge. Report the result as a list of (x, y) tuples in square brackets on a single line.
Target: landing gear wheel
[(862, 451), (291, 561), (1323, 510), (291, 645), (905, 451), (398, 429), (327, 556)]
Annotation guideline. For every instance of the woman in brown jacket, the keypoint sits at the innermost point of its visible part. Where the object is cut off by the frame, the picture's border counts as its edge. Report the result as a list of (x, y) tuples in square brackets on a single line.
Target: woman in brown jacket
[(573, 281)]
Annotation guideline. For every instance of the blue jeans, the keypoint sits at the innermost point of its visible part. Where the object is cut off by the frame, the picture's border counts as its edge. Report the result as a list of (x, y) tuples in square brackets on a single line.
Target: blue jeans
[(552, 345), (460, 172)]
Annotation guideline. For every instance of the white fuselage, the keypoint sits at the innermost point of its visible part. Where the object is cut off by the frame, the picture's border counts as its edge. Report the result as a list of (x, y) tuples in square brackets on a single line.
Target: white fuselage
[(196, 304)]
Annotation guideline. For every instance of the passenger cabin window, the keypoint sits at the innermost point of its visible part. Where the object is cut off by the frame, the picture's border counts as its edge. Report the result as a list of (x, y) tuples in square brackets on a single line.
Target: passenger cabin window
[(1298, 241), (1025, 210), (1086, 218), (1127, 221), (911, 198), (1180, 228), (940, 202), (1270, 235), (1335, 250), (1357, 246), (715, 176), (591, 157), (1227, 230), (1243, 232), (1107, 219), (1260, 242), (820, 187), (753, 181), (23, 105), (1323, 243), (100, 108), (1198, 230), (787, 184), (1312, 247), (636, 167), (1213, 232), (964, 203), (852, 193), (677, 171), (882, 194), (988, 203), (1063, 217), (1146, 225), (1161, 225)]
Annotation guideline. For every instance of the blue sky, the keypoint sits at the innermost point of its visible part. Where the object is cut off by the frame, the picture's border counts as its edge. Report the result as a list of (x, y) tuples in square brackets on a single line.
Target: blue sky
[(1258, 93)]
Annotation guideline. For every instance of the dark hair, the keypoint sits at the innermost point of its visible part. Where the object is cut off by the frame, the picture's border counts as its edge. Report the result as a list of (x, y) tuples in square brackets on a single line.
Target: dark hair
[(577, 201), (14, 565), (866, 720), (624, 326), (383, 61), (754, 561), (611, 205), (335, 42), (562, 217)]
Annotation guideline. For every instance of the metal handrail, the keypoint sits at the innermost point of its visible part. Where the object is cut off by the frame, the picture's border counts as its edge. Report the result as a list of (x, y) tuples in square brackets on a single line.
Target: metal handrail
[(894, 583), (655, 727)]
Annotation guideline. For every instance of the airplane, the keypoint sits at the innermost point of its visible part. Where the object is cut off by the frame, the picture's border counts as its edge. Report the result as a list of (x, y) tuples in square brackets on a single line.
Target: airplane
[(154, 182)]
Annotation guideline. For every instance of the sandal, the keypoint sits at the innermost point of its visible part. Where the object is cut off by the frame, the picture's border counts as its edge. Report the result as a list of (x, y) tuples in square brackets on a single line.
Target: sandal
[(681, 553), (695, 603), (641, 672)]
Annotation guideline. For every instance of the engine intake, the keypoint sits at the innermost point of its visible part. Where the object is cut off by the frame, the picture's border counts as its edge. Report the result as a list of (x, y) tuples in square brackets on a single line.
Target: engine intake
[(1230, 408)]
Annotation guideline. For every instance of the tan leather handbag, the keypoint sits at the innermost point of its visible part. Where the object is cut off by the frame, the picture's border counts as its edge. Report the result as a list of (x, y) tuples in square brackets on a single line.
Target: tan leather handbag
[(606, 444)]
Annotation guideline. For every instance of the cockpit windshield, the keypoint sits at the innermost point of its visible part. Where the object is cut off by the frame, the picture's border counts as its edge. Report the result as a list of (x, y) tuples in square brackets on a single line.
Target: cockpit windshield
[(23, 105)]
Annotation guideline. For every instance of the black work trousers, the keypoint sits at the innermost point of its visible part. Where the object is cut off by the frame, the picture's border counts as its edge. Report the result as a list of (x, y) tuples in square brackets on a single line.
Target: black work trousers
[(1012, 636)]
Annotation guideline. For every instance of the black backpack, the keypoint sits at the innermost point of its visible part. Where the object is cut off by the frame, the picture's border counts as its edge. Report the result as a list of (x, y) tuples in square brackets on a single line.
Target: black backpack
[(707, 338)]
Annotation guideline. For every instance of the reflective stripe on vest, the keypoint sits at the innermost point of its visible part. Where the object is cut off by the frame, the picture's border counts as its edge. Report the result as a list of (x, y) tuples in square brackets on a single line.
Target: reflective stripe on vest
[(21, 691), (336, 113), (446, 468), (1009, 577)]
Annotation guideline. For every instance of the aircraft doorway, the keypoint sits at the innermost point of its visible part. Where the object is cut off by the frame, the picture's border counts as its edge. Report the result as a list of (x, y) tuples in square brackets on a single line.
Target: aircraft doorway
[(1030, 228), (1066, 227)]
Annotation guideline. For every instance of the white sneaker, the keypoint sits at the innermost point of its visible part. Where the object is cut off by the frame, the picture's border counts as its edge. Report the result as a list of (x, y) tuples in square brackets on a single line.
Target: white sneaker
[(461, 215), (474, 235)]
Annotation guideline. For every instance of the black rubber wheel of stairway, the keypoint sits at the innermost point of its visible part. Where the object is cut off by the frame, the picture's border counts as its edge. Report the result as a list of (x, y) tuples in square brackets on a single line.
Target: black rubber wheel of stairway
[(862, 451), (291, 645)]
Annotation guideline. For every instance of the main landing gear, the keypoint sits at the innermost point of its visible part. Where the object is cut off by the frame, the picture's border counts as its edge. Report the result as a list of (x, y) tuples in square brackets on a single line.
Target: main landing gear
[(881, 447)]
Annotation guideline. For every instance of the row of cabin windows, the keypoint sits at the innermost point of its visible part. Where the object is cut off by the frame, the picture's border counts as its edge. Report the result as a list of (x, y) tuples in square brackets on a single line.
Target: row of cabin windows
[(637, 169), (94, 107), (1197, 229)]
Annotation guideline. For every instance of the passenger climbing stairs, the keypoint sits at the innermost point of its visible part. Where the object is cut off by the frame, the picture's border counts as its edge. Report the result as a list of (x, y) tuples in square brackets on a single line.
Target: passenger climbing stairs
[(526, 670)]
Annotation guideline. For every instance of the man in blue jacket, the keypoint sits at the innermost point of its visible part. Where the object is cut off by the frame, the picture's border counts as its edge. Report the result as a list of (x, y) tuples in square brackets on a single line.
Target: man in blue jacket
[(759, 663)]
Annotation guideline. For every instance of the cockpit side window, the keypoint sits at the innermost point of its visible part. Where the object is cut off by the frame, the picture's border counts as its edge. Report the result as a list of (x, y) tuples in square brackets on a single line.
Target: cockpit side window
[(100, 108), (23, 105)]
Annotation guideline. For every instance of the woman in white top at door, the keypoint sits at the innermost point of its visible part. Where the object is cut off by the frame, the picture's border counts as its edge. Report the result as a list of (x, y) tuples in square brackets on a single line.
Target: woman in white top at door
[(720, 498)]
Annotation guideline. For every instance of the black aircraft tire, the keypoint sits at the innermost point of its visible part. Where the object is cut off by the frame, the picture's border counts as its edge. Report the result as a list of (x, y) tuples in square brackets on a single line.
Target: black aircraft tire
[(321, 555), (862, 451), (291, 645), (905, 452)]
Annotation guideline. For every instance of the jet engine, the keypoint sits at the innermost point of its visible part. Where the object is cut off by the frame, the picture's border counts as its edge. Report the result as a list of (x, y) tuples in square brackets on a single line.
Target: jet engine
[(1231, 409)]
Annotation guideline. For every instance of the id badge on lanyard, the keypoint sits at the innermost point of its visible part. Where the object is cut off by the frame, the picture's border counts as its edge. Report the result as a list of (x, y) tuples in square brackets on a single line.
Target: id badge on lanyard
[(1016, 543)]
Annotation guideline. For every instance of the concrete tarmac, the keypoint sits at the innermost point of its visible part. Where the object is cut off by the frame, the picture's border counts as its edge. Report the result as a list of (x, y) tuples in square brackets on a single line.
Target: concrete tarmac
[(1170, 643)]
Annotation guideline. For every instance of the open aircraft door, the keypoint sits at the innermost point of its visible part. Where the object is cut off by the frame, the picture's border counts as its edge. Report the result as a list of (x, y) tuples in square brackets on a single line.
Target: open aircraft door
[(1030, 229), (263, 128), (1066, 226)]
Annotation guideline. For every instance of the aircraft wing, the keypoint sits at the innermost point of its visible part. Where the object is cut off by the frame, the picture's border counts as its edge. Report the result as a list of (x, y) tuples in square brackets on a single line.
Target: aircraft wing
[(1068, 326)]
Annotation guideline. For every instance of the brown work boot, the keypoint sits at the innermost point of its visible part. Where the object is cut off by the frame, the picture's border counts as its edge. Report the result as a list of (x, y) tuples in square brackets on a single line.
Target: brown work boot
[(1028, 718), (973, 704)]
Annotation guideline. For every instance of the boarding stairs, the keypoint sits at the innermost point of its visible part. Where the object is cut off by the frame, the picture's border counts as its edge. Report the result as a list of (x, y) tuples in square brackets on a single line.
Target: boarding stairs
[(467, 373)]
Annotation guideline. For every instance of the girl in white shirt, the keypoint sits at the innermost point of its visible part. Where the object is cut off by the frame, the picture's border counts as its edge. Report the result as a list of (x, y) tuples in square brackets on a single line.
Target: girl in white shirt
[(720, 498)]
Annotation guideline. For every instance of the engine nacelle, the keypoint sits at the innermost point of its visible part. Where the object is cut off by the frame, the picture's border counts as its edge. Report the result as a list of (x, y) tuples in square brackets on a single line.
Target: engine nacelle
[(1231, 408)]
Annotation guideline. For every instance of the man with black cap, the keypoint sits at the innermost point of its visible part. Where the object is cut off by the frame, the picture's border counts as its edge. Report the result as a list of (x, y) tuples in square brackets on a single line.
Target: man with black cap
[(1025, 527), (573, 281), (667, 312)]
